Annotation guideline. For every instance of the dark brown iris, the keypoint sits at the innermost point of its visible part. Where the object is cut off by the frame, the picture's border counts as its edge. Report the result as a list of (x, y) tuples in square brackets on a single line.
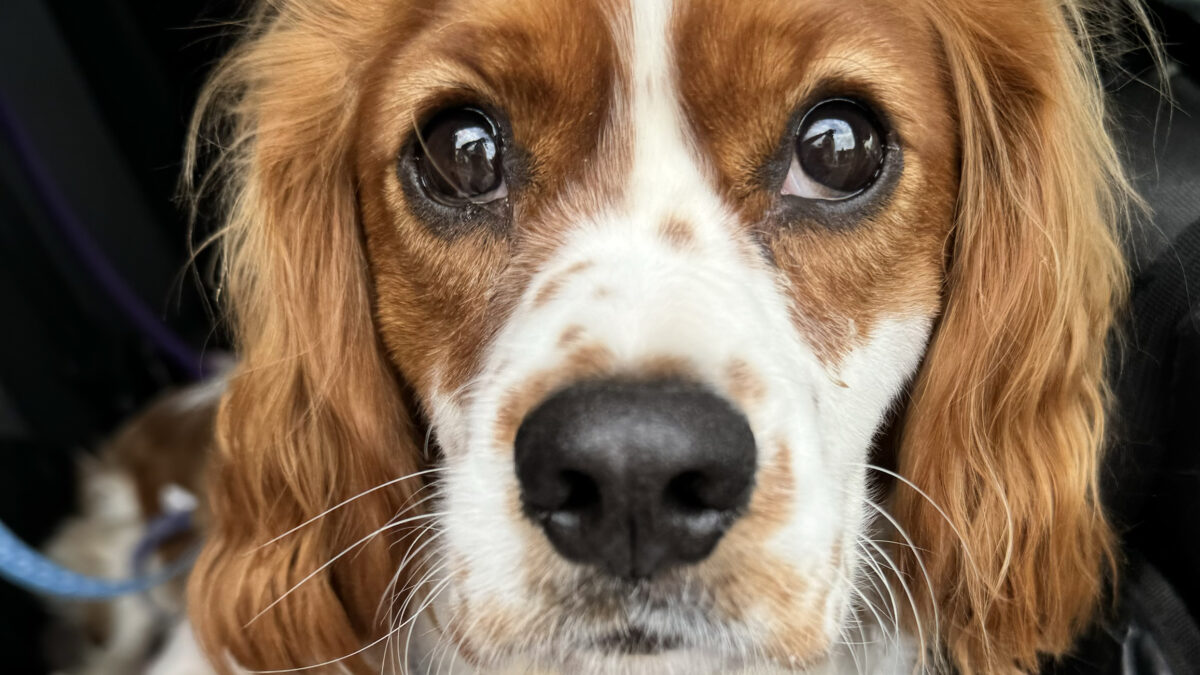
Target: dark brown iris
[(840, 146), (459, 158)]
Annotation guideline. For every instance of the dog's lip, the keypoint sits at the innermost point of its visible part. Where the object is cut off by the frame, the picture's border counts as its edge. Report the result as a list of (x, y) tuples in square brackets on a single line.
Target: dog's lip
[(635, 641)]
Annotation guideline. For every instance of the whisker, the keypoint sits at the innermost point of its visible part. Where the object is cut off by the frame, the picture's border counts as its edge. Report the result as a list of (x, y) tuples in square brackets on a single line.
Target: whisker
[(401, 567), (332, 560), (390, 589), (842, 631), (441, 641), (962, 540), (396, 620), (323, 664), (433, 596), (870, 606), (887, 589), (920, 563), (344, 503), (907, 592)]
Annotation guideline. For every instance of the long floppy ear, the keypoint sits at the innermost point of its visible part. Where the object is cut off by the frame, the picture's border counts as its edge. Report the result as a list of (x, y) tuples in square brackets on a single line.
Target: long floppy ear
[(1006, 425), (313, 414)]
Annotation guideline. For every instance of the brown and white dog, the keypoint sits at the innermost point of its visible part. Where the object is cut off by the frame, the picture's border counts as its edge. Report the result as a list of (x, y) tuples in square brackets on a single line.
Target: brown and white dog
[(661, 336)]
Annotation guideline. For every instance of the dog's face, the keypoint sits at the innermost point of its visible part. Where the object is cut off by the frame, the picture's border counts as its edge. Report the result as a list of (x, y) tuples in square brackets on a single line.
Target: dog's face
[(656, 273), (641, 285)]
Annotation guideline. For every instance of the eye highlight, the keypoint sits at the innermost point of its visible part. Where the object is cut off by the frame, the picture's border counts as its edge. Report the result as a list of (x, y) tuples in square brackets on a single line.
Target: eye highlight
[(840, 150), (459, 158)]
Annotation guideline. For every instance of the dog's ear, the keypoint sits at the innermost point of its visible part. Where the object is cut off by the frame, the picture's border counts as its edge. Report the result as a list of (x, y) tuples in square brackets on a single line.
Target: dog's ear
[(314, 414), (1007, 419)]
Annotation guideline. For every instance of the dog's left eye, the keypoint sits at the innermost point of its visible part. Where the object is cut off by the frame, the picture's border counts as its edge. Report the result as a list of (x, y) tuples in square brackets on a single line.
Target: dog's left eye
[(839, 152), (459, 158)]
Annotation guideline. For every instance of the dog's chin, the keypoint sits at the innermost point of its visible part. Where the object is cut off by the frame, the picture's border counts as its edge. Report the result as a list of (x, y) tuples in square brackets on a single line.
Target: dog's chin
[(648, 648), (663, 661), (638, 653)]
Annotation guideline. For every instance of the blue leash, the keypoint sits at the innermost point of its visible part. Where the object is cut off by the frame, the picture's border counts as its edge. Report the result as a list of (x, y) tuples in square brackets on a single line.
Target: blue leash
[(23, 566)]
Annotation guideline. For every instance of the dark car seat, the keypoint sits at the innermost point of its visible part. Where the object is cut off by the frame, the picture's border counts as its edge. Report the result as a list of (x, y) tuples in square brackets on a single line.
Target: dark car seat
[(1151, 480)]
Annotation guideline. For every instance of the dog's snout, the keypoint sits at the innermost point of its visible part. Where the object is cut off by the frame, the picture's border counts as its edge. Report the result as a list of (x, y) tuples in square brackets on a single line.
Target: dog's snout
[(635, 476)]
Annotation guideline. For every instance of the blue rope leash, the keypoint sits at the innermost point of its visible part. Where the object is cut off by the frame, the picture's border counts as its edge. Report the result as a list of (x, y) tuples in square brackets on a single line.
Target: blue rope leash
[(23, 566)]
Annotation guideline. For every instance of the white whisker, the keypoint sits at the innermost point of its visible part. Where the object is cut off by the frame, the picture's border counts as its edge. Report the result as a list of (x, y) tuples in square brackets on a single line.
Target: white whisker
[(907, 592), (339, 505), (334, 559)]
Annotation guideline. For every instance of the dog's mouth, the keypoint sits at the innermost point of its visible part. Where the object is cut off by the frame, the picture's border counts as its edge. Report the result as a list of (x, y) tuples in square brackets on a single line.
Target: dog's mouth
[(636, 641)]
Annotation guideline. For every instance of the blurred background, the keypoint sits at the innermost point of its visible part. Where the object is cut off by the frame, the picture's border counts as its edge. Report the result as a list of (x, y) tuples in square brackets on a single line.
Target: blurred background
[(99, 310)]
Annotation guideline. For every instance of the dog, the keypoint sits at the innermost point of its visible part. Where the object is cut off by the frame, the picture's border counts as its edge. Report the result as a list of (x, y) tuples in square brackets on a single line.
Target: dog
[(660, 336)]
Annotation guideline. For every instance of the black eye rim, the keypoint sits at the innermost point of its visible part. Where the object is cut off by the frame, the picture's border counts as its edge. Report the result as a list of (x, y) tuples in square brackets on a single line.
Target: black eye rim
[(872, 118), (789, 211), (452, 221)]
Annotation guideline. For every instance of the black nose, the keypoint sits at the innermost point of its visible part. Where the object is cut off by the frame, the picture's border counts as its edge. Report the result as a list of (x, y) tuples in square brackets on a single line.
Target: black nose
[(635, 476)]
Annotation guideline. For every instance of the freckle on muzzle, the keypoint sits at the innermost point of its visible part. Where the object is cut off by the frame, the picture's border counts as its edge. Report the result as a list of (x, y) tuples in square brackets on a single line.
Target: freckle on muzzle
[(635, 477)]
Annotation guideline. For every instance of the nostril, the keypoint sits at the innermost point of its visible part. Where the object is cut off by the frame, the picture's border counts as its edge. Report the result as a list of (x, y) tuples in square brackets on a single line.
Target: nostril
[(697, 491), (568, 502), (694, 506), (583, 494), (684, 492)]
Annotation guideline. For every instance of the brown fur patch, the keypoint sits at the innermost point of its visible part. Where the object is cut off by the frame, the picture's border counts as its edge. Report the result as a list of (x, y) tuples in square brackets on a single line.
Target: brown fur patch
[(664, 367), (745, 386), (571, 336), (550, 288), (677, 233)]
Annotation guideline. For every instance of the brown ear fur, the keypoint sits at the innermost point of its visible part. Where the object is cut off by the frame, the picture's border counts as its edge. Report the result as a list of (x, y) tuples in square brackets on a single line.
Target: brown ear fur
[(313, 414), (1006, 426)]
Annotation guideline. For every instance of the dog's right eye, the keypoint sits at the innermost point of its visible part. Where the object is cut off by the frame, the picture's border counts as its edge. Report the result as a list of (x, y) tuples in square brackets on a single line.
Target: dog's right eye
[(459, 158)]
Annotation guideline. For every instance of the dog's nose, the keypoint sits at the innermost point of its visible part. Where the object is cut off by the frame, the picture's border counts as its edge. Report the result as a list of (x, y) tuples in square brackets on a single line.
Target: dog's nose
[(635, 476)]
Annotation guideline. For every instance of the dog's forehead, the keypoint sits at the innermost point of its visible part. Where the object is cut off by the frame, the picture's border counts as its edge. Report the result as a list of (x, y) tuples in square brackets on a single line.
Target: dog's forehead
[(664, 116), (556, 56)]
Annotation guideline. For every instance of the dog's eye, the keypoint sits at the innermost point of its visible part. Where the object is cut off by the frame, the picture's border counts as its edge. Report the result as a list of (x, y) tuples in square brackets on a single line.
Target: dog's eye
[(839, 152), (459, 158)]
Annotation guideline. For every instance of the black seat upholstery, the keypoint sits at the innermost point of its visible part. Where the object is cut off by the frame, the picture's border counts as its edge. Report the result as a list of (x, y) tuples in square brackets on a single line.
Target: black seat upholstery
[(1151, 481)]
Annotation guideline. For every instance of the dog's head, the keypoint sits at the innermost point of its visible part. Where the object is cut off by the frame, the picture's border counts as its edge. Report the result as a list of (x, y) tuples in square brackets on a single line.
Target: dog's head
[(641, 288)]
